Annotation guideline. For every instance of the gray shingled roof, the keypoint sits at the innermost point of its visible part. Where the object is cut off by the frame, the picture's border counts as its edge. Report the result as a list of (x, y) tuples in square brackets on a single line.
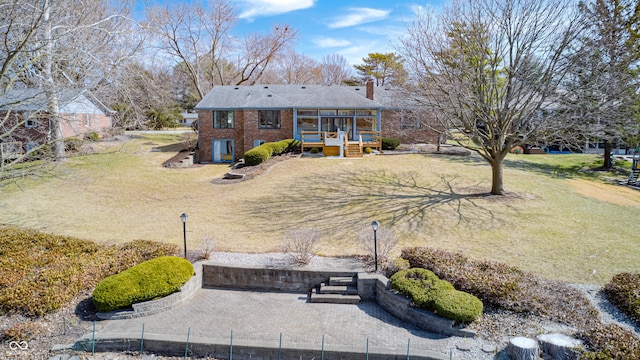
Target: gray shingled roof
[(285, 96), (36, 100)]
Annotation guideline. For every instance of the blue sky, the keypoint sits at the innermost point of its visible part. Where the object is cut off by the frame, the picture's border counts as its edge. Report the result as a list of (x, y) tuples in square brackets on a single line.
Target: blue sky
[(350, 28)]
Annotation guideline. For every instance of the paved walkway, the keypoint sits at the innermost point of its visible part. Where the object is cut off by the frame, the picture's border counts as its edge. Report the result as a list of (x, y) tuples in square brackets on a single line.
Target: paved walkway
[(258, 318)]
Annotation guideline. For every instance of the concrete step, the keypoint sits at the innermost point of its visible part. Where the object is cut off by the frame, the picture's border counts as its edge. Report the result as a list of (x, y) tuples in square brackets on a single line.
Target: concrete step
[(334, 299), (337, 289), (342, 281)]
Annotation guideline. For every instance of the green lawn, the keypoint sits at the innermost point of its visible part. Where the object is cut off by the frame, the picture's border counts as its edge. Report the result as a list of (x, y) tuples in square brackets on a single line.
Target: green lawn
[(555, 221)]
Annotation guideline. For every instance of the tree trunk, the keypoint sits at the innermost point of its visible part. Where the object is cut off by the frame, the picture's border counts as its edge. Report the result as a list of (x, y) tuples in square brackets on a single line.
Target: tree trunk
[(560, 347), (521, 348), (496, 177), (55, 131), (608, 148)]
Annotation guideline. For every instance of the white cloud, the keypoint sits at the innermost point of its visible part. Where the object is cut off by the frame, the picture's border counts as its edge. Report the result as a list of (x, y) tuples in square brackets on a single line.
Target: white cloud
[(388, 31), (357, 16), (417, 9), (325, 42), (257, 8)]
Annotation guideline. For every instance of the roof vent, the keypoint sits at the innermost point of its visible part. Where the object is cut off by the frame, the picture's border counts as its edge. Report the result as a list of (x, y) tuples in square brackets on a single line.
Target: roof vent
[(269, 95), (236, 88), (304, 87), (357, 89), (266, 87)]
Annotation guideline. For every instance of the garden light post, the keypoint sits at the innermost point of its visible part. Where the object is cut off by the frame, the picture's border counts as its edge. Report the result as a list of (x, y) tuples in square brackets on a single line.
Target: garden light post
[(374, 226), (184, 217)]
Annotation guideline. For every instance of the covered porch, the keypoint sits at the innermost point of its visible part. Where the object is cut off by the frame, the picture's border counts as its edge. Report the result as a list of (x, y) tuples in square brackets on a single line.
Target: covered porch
[(343, 132), (338, 143)]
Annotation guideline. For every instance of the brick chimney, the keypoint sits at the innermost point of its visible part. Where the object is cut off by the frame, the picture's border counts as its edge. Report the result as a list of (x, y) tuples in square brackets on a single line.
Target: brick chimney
[(370, 89)]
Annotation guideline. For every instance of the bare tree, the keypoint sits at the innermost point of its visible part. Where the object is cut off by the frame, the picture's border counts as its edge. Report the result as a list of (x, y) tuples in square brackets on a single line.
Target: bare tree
[(487, 69), (386, 240), (50, 47), (335, 69), (300, 245), (293, 68), (75, 50), (138, 93), (199, 39), (603, 79)]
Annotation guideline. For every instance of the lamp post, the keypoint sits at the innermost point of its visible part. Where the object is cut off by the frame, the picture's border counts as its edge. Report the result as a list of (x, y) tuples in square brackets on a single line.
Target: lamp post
[(184, 217), (374, 226)]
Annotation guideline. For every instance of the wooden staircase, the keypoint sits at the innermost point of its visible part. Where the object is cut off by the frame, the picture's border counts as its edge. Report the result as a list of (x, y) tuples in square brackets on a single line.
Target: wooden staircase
[(339, 290), (352, 149)]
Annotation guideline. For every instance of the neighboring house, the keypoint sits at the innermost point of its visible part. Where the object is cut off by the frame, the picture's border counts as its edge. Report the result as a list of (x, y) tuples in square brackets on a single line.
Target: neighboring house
[(234, 119), (187, 118), (24, 117)]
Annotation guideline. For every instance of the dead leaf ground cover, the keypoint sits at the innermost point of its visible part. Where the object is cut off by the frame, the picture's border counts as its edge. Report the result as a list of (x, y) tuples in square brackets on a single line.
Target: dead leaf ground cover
[(546, 224)]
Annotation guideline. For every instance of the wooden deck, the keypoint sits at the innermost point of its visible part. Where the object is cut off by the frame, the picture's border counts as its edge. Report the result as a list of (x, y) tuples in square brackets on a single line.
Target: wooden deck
[(329, 142)]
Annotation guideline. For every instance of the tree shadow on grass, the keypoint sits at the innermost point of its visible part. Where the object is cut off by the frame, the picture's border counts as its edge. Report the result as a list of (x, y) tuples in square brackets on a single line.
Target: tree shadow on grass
[(337, 201)]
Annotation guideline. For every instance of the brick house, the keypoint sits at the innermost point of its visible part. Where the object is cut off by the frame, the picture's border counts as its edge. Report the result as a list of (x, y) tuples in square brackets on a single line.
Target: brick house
[(25, 119), (234, 119)]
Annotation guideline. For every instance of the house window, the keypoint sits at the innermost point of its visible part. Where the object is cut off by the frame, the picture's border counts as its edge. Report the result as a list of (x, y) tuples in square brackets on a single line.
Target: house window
[(269, 119), (223, 119), (31, 123), (409, 123), (87, 120), (257, 143)]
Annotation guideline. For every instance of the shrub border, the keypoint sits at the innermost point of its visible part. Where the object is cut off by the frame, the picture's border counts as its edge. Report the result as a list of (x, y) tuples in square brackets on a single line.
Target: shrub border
[(152, 307)]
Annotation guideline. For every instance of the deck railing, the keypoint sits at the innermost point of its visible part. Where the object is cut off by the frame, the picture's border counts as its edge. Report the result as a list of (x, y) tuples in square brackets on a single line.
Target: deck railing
[(371, 139)]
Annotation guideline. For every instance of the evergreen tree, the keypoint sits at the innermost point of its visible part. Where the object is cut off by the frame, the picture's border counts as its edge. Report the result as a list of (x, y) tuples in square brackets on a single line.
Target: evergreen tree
[(383, 69)]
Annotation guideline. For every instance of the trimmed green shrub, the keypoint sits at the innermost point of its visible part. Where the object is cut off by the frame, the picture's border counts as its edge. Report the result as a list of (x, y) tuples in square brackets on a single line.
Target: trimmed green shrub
[(368, 150), (146, 281), (257, 155), (457, 305), (390, 143), (314, 150), (431, 293), (263, 152), (277, 148), (91, 136), (624, 292), (293, 145), (506, 287), (72, 144)]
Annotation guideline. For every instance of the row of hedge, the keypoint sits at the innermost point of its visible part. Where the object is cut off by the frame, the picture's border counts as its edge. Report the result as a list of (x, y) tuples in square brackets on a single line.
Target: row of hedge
[(431, 293), (390, 143), (504, 287), (40, 273), (624, 292), (265, 151)]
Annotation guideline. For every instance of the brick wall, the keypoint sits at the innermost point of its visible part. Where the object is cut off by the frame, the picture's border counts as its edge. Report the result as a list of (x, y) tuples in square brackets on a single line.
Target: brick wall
[(392, 127), (245, 132)]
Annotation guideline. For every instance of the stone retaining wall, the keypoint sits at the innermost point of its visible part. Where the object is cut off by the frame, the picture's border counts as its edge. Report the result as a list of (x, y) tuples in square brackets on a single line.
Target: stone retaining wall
[(372, 287), (271, 279)]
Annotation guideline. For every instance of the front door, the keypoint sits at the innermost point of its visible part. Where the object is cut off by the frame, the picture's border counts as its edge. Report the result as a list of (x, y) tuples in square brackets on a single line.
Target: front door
[(334, 124), (222, 150)]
